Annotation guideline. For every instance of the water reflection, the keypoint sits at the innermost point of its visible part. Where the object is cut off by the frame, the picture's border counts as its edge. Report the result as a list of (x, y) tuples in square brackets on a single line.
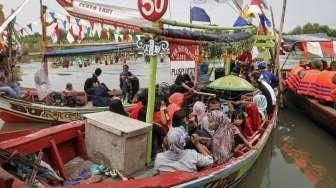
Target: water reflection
[(301, 155)]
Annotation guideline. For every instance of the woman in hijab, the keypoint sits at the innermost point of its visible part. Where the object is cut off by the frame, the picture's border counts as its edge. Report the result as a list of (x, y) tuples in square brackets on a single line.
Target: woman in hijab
[(175, 103), (176, 158), (261, 102), (222, 141), (199, 109)]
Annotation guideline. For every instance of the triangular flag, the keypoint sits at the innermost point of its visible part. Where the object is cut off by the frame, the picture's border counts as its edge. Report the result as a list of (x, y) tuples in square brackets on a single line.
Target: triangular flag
[(80, 36), (77, 21), (30, 26), (199, 14), (55, 34), (92, 25), (265, 21), (52, 14), (240, 22), (64, 25), (21, 31), (69, 19), (70, 36)]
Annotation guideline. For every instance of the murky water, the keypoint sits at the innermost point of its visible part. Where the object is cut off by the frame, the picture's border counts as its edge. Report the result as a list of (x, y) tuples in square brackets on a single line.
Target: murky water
[(299, 154)]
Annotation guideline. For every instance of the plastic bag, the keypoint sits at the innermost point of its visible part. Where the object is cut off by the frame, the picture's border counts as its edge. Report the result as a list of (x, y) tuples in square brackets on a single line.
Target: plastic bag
[(42, 84)]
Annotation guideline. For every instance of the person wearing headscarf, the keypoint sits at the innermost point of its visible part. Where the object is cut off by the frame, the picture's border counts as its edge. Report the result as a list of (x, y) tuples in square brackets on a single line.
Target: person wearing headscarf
[(261, 102), (253, 118), (176, 158), (175, 103), (222, 141), (199, 109)]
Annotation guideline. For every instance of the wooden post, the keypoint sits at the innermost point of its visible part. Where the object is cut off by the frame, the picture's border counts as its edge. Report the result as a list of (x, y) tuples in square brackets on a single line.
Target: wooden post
[(277, 59), (43, 10)]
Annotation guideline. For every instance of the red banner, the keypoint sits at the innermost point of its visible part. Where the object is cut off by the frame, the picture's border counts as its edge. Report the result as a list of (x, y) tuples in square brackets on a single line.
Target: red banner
[(180, 52)]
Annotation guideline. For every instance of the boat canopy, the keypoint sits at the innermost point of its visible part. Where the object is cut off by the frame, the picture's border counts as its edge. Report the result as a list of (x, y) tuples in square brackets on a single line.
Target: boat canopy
[(319, 44), (90, 50)]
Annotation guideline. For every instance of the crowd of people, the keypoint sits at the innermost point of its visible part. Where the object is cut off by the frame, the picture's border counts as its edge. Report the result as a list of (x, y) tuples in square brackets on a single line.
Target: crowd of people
[(189, 136)]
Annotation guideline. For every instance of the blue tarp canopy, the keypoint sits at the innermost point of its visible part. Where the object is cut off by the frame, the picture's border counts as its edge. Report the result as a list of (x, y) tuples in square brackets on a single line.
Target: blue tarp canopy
[(90, 50)]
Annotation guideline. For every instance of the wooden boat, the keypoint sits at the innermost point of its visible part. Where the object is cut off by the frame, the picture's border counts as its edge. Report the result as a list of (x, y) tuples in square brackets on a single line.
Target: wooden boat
[(65, 142), (28, 110), (325, 116), (16, 111)]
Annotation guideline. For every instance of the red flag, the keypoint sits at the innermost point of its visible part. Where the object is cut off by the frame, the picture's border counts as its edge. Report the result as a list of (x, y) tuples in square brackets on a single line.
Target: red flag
[(68, 18)]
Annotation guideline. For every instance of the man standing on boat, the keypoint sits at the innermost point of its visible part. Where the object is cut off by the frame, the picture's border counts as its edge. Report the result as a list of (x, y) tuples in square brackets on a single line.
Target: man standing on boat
[(125, 75)]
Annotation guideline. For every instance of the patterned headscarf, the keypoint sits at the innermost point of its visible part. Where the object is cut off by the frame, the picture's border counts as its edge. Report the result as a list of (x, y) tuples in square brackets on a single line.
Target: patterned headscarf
[(261, 103), (223, 138), (176, 142), (199, 109)]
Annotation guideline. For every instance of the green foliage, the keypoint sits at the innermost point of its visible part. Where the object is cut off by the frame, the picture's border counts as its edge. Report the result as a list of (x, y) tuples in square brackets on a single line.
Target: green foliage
[(310, 28)]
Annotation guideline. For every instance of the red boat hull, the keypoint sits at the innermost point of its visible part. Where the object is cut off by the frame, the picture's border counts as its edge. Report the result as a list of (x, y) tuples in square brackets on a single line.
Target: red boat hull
[(9, 117)]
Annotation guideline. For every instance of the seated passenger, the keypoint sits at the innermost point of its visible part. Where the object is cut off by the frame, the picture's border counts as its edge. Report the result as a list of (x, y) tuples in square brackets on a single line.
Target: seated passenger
[(214, 104), (261, 102), (222, 141), (333, 66), (140, 101), (116, 106), (176, 101), (267, 75), (265, 89), (99, 95), (241, 128), (253, 116), (68, 87), (176, 158), (199, 109)]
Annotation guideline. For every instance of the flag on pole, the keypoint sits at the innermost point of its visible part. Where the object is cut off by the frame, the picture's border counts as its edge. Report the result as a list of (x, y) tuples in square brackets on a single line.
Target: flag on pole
[(199, 14)]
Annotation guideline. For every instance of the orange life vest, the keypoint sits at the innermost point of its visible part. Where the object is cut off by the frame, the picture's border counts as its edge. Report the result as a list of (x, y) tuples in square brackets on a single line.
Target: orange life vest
[(293, 79), (307, 85), (325, 85)]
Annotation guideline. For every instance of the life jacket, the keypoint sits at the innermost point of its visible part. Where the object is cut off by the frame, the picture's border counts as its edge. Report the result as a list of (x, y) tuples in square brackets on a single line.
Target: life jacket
[(307, 85), (293, 79), (325, 83)]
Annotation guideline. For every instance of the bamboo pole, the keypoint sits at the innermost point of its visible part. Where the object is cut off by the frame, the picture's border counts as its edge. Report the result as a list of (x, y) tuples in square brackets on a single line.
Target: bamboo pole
[(281, 88), (151, 98), (196, 26)]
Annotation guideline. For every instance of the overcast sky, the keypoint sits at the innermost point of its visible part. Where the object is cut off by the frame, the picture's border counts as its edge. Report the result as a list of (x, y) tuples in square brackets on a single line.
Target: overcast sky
[(299, 12)]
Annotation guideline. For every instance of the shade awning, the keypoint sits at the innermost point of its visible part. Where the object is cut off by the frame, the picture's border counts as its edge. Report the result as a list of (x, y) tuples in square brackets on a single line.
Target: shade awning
[(231, 83), (89, 50)]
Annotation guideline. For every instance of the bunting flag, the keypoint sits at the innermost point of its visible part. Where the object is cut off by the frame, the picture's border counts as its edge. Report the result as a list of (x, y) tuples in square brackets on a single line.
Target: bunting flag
[(70, 36), (80, 35), (263, 3), (77, 21), (55, 35), (265, 21), (69, 19), (52, 14), (244, 18), (199, 14), (30, 26), (64, 24)]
